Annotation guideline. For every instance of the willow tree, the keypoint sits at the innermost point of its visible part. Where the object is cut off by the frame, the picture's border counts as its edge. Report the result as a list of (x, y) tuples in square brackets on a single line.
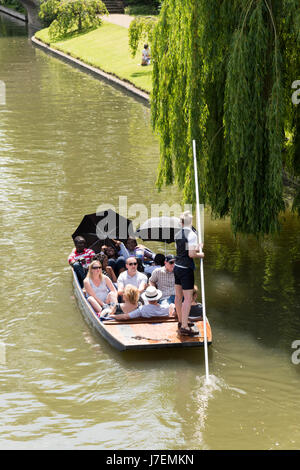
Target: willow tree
[(69, 16), (222, 75)]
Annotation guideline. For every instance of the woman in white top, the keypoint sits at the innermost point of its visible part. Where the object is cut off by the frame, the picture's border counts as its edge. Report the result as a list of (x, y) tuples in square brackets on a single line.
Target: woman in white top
[(99, 288)]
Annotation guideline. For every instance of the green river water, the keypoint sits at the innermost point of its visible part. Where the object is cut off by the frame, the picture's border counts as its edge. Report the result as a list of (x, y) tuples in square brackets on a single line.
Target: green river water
[(69, 142)]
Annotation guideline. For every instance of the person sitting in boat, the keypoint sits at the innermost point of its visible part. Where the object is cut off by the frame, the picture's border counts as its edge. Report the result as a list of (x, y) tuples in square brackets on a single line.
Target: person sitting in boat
[(80, 258), (106, 269), (196, 308), (163, 278), (99, 289), (158, 262), (151, 308), (132, 276), (116, 261), (138, 251), (130, 302)]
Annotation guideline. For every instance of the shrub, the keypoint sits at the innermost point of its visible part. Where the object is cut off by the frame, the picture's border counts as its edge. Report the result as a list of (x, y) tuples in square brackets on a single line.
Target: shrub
[(48, 11), (74, 15)]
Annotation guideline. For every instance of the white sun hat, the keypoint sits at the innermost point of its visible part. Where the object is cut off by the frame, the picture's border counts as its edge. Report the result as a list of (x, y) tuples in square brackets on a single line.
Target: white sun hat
[(151, 293)]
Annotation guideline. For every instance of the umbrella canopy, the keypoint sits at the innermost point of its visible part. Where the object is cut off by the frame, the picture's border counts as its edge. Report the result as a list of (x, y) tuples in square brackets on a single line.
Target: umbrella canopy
[(97, 228), (162, 228)]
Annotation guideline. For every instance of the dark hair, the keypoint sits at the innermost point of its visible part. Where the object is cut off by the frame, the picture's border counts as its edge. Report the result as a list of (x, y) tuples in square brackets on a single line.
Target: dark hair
[(129, 239), (99, 257), (159, 259), (140, 266), (110, 246), (79, 238)]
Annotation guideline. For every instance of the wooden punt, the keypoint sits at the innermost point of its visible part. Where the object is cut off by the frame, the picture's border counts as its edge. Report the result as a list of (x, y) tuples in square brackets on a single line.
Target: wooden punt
[(154, 333)]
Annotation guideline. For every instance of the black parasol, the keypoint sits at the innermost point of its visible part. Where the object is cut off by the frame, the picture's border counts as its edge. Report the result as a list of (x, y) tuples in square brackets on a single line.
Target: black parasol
[(99, 227)]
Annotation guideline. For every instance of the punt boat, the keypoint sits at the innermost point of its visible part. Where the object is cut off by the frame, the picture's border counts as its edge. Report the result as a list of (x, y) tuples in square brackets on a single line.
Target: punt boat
[(137, 334)]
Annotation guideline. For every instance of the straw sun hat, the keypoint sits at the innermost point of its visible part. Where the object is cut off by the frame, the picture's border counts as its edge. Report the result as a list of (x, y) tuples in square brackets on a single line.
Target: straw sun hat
[(151, 294)]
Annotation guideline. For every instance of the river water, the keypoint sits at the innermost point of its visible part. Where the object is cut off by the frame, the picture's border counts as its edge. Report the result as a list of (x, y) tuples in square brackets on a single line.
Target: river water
[(69, 142)]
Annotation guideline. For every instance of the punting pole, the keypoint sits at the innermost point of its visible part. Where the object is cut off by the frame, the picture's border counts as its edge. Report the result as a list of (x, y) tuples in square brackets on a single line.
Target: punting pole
[(201, 261)]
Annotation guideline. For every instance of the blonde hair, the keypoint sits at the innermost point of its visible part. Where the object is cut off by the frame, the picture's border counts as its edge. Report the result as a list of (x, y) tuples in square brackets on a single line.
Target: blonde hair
[(89, 273), (132, 294), (186, 218)]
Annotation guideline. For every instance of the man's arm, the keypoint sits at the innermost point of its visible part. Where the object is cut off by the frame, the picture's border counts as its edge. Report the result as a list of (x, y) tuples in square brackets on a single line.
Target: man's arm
[(120, 316), (194, 247), (142, 286), (127, 316), (195, 253), (153, 279), (120, 285), (122, 248), (120, 288), (71, 258)]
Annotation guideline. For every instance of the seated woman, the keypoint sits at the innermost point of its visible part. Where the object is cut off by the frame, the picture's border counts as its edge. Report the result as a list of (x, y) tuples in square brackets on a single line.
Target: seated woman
[(138, 251), (99, 288), (159, 262), (196, 308), (114, 260), (130, 301), (106, 269)]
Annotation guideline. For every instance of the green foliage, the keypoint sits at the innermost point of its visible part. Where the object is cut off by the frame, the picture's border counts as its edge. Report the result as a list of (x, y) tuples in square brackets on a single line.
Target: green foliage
[(142, 7), (73, 15), (222, 74), (49, 11), (14, 4), (140, 30)]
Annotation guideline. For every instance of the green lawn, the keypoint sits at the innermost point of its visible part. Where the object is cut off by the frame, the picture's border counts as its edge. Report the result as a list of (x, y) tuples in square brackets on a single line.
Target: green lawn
[(106, 48)]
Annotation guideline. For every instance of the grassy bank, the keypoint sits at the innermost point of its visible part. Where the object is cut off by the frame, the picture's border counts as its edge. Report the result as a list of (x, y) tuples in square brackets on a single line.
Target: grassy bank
[(105, 48)]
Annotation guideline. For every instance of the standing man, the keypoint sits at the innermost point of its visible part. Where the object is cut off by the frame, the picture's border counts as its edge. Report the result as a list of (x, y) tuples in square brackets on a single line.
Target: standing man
[(187, 249), (163, 278)]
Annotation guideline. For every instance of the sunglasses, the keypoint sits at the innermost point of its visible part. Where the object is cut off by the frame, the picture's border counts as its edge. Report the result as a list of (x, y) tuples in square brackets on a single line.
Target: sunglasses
[(96, 267), (171, 262), (132, 264)]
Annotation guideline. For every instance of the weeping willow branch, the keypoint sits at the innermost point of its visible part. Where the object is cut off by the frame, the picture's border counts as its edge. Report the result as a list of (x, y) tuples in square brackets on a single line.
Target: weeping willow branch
[(140, 29), (221, 76)]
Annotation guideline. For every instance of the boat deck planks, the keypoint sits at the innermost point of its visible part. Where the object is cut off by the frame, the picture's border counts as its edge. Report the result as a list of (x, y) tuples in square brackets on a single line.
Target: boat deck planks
[(161, 333), (152, 333)]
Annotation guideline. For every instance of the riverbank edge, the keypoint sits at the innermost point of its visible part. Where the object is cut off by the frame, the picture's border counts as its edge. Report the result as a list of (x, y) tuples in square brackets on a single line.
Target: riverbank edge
[(14, 13), (96, 72)]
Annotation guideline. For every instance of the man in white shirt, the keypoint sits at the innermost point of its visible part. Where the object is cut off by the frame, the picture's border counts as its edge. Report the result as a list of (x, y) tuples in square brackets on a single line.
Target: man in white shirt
[(187, 249), (152, 308), (132, 276)]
